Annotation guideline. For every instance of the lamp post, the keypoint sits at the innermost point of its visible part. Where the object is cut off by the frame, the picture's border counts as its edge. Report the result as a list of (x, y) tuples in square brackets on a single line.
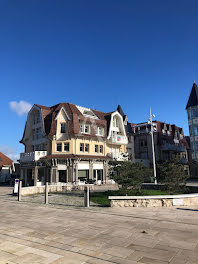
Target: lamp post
[(150, 121)]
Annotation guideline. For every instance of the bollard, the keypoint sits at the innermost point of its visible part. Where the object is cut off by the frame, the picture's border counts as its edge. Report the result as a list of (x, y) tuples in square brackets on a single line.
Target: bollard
[(86, 196), (46, 193), (19, 190)]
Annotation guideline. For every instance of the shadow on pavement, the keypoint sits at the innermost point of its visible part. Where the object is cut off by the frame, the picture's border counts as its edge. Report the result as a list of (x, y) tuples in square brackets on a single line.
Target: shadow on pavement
[(186, 209)]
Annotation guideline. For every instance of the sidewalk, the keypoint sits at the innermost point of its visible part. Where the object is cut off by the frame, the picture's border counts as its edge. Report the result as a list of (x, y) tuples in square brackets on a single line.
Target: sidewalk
[(32, 233)]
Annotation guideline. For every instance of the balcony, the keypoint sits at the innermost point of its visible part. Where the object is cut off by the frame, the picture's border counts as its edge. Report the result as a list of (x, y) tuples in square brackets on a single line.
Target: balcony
[(32, 156), (119, 156), (173, 147), (122, 140)]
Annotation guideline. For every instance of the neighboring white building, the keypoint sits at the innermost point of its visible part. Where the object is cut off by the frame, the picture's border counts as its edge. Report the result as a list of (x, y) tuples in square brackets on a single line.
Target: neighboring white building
[(6, 168)]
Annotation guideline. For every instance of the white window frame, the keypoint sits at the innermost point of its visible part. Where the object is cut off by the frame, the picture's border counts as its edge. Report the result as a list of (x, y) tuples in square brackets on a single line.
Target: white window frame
[(61, 128), (101, 147), (82, 128), (83, 147), (88, 126), (97, 148), (100, 129), (66, 143)]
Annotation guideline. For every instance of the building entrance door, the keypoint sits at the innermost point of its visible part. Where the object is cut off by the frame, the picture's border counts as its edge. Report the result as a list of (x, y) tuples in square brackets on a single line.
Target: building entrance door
[(62, 176)]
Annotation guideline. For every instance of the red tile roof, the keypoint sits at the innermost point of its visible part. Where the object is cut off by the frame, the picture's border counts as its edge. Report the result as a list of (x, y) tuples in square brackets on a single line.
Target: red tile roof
[(4, 160), (161, 136), (49, 119)]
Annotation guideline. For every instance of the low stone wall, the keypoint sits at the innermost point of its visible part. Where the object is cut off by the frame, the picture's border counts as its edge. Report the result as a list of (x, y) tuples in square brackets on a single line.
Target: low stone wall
[(52, 188), (154, 201)]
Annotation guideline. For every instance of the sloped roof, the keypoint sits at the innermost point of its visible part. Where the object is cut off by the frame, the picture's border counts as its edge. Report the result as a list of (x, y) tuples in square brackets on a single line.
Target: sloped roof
[(4, 160), (75, 116), (119, 109), (193, 98)]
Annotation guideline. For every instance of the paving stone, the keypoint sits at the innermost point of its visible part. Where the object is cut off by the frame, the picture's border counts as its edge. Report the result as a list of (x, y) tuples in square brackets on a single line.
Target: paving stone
[(33, 233), (28, 258), (118, 251), (123, 261), (5, 256), (152, 261), (153, 253), (11, 247)]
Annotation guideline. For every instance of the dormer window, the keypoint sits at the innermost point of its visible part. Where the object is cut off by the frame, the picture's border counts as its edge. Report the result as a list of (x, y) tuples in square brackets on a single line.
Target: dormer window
[(63, 128), (100, 131), (85, 128)]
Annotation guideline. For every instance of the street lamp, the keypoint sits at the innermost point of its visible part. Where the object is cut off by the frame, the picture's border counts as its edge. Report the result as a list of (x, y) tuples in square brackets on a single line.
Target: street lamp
[(150, 121)]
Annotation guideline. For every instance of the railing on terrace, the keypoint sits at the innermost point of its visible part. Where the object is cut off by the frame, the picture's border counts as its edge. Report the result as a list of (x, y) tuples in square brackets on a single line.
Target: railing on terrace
[(173, 147), (32, 156)]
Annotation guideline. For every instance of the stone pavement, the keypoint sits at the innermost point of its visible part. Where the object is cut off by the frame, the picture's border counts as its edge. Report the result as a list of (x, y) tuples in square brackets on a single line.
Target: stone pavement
[(32, 233)]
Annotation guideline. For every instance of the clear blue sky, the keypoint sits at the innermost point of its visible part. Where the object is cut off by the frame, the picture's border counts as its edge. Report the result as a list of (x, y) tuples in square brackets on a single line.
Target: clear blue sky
[(97, 54)]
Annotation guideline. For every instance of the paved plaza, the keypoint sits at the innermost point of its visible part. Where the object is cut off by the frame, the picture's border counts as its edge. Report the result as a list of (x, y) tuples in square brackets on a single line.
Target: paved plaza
[(33, 233)]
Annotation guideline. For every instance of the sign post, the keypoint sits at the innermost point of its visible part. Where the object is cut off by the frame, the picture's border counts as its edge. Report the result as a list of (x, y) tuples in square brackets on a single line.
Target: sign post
[(46, 193), (16, 187), (19, 190)]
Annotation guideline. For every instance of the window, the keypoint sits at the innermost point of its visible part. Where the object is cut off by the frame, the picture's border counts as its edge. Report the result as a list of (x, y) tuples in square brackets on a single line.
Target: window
[(101, 149), (33, 134), (86, 129), (63, 128), (81, 128), (100, 131), (58, 147), (196, 146), (82, 147), (36, 119), (115, 122), (86, 147), (32, 148), (66, 146), (195, 113), (38, 133), (191, 130), (96, 148), (195, 130)]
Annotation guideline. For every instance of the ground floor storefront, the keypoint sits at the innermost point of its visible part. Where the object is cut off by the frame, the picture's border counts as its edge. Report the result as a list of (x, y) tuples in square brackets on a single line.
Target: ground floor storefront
[(64, 170)]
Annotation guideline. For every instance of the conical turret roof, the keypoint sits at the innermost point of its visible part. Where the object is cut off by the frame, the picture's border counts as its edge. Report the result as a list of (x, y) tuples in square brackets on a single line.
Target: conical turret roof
[(193, 98)]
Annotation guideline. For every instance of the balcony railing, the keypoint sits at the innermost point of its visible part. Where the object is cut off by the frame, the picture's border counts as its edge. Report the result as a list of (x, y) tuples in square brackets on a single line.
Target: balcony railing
[(32, 156), (173, 147), (119, 139)]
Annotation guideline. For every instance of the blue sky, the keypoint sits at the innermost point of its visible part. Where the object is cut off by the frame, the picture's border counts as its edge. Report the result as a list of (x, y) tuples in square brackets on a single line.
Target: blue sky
[(97, 54)]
